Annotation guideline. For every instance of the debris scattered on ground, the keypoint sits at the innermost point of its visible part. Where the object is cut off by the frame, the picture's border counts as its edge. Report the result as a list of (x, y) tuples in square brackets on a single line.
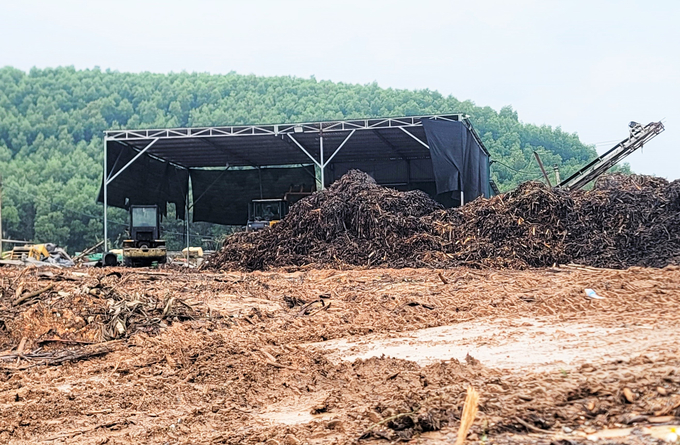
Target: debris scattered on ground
[(623, 221), (38, 255), (244, 365), (58, 308), (283, 356)]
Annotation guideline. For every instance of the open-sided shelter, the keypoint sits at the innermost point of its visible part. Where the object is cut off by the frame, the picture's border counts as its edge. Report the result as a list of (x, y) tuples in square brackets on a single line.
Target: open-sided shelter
[(230, 165)]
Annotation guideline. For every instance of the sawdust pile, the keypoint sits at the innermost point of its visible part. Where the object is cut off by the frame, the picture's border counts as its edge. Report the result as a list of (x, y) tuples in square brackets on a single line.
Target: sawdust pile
[(624, 221)]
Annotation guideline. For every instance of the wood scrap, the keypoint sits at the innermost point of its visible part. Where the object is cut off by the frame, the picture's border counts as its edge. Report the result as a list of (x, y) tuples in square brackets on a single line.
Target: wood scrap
[(26, 297), (469, 412)]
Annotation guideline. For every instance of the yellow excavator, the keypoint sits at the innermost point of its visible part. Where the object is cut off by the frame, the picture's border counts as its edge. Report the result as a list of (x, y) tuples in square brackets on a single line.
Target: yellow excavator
[(36, 251)]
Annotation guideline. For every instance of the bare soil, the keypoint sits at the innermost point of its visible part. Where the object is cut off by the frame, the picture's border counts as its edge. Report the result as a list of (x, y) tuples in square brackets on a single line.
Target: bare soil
[(338, 356)]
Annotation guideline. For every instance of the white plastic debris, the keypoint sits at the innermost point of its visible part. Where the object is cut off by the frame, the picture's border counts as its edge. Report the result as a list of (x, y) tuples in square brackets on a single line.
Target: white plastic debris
[(593, 295)]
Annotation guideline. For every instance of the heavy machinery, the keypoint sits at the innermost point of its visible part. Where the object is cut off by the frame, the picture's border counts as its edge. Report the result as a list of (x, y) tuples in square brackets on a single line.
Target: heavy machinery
[(637, 137), (267, 212), (37, 252), (144, 246)]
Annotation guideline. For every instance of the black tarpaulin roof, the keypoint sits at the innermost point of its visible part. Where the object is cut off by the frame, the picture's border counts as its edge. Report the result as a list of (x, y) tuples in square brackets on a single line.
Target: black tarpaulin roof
[(267, 145)]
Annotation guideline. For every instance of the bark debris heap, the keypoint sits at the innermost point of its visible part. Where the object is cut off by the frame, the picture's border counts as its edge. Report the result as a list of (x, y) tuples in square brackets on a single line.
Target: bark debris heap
[(625, 220)]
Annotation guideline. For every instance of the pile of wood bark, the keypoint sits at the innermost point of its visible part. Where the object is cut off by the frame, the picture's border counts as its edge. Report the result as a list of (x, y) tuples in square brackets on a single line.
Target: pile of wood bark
[(625, 220)]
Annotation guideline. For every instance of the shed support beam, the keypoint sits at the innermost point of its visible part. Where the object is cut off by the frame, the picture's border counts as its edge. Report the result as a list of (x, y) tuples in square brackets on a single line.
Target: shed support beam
[(108, 179), (323, 166), (414, 137), (106, 201), (137, 156), (186, 215), (304, 150), (339, 147)]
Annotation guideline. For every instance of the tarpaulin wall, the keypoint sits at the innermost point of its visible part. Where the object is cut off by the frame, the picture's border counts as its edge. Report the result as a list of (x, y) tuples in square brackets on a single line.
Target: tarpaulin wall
[(458, 161), (387, 172), (146, 181), (222, 196)]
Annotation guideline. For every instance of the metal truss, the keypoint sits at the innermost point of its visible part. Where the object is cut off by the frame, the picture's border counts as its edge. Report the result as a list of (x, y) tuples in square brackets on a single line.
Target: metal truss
[(279, 129)]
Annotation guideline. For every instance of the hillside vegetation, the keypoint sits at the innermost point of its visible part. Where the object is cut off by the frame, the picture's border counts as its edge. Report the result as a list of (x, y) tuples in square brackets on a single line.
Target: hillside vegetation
[(51, 124)]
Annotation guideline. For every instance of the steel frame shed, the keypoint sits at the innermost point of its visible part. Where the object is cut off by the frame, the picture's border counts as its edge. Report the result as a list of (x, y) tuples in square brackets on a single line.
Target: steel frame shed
[(322, 143)]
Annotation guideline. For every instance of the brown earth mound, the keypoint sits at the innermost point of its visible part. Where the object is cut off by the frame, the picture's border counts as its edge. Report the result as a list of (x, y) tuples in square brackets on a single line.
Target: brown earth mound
[(624, 221)]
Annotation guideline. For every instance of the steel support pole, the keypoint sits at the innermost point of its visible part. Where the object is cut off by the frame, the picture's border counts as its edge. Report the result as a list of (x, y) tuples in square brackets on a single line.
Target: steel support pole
[(186, 215), (106, 200), (0, 214), (323, 181)]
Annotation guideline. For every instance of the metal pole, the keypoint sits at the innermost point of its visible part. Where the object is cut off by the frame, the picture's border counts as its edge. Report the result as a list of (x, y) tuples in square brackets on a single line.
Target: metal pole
[(323, 182), (106, 202), (462, 198), (186, 215), (557, 174), (540, 164)]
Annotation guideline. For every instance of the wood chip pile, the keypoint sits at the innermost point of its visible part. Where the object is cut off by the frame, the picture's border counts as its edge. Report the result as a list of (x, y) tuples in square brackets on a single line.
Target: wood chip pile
[(623, 221)]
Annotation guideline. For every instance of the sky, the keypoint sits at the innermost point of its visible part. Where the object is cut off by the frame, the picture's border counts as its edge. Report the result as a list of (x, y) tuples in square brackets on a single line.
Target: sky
[(589, 67)]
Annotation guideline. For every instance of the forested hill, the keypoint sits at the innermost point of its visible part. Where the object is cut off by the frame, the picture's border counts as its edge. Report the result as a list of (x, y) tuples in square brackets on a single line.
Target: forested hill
[(51, 124)]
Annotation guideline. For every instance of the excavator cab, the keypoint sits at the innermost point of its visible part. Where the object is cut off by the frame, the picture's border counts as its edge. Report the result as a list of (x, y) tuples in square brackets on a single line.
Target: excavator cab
[(265, 213), (144, 246)]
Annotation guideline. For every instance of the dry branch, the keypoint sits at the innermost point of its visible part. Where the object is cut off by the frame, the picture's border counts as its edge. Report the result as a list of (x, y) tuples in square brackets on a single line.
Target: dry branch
[(25, 297)]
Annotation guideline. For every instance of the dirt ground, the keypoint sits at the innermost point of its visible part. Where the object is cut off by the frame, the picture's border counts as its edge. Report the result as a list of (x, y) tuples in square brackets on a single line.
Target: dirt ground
[(120, 356)]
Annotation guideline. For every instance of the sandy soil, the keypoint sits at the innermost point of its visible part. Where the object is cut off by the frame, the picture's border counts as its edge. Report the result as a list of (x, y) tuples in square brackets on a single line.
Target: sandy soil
[(338, 356)]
